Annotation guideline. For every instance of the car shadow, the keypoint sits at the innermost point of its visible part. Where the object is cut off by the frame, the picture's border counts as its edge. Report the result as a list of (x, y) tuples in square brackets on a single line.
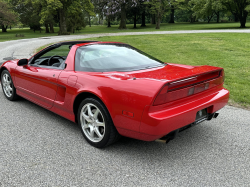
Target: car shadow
[(186, 143)]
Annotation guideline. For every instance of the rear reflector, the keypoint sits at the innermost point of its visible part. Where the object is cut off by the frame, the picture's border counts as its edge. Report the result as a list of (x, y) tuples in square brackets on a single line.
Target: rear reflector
[(126, 113), (191, 91)]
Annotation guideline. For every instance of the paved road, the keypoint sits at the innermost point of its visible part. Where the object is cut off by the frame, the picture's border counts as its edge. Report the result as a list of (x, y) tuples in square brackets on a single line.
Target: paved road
[(40, 148)]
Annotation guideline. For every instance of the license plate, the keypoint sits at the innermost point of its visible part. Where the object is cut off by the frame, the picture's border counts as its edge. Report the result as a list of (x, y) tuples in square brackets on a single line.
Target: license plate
[(201, 116)]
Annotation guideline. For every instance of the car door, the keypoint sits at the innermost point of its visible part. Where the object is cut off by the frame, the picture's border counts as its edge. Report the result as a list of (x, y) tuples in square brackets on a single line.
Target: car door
[(38, 84)]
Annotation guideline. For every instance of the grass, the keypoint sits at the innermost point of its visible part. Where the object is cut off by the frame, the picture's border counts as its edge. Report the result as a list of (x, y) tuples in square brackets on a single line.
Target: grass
[(228, 50), (27, 33)]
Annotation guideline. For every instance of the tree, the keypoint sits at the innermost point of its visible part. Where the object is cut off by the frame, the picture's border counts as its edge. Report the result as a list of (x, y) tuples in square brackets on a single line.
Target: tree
[(27, 13), (206, 8), (46, 13), (119, 8), (77, 11), (7, 16), (239, 8), (172, 8), (98, 6), (116, 7), (69, 12), (158, 8), (138, 11)]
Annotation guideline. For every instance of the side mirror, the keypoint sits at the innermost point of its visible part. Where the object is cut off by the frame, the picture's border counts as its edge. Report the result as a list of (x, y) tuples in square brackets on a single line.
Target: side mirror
[(22, 62)]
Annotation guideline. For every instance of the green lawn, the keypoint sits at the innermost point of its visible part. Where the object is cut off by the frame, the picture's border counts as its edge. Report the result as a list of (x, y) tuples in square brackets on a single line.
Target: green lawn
[(11, 34), (230, 51)]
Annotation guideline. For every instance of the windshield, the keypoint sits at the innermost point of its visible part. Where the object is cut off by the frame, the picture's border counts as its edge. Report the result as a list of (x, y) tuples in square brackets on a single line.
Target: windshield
[(113, 57)]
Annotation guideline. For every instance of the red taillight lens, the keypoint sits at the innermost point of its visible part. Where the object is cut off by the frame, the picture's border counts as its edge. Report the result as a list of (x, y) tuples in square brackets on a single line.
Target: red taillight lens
[(161, 97)]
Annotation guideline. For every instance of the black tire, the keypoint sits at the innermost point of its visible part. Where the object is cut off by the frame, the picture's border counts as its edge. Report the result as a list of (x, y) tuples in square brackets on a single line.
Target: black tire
[(8, 87), (99, 121)]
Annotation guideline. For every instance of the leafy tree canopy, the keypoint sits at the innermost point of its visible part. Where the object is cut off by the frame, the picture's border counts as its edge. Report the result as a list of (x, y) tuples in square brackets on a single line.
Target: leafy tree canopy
[(7, 15)]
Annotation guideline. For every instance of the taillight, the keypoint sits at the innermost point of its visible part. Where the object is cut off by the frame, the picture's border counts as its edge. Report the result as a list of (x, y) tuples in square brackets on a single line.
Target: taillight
[(186, 87), (161, 97), (223, 75)]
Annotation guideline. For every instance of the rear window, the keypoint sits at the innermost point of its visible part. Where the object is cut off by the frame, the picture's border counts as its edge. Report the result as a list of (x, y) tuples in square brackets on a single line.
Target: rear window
[(113, 57)]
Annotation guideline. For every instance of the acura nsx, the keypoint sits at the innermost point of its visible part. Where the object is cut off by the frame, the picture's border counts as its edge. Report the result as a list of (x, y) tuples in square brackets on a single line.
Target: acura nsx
[(113, 89)]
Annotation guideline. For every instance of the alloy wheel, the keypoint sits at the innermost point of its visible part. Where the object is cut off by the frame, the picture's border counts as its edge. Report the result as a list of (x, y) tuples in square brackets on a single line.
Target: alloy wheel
[(7, 85), (92, 122)]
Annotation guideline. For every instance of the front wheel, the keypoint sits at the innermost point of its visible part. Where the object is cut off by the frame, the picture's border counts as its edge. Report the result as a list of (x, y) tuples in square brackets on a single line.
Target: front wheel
[(96, 124), (8, 87)]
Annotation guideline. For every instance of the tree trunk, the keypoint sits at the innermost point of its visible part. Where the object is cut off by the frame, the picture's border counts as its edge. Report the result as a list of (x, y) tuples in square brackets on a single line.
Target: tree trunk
[(192, 19), (72, 30), (123, 18), (89, 21), (63, 26), (158, 21), (46, 28), (236, 18), (4, 29), (218, 17), (109, 24), (243, 19), (242, 24), (172, 15), (143, 19), (153, 19), (10, 27), (51, 27), (134, 20), (208, 19)]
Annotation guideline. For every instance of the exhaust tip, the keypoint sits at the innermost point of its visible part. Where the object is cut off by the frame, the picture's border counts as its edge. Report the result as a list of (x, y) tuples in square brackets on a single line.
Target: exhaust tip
[(161, 141), (168, 137), (215, 115)]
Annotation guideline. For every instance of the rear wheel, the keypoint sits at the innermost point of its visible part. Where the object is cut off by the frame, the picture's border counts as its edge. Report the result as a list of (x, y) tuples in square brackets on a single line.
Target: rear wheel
[(8, 87), (96, 124)]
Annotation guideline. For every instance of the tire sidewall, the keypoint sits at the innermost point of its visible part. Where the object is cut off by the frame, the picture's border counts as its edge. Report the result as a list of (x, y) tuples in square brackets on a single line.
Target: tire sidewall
[(107, 119)]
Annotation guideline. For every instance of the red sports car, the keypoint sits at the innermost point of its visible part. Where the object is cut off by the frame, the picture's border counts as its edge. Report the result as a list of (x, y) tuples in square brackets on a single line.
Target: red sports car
[(112, 89)]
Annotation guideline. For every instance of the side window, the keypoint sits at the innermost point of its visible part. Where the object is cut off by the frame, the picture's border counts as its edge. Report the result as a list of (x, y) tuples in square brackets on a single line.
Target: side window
[(63, 51), (54, 58)]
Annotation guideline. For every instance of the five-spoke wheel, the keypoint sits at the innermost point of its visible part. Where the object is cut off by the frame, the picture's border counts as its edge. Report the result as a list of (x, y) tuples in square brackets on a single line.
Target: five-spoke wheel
[(96, 124)]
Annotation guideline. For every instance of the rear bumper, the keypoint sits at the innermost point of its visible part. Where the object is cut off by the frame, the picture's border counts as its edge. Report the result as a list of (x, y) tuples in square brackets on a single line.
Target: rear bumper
[(158, 121)]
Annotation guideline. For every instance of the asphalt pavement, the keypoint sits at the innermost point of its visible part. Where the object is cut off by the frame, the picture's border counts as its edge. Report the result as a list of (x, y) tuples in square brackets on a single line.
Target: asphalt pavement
[(40, 148)]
